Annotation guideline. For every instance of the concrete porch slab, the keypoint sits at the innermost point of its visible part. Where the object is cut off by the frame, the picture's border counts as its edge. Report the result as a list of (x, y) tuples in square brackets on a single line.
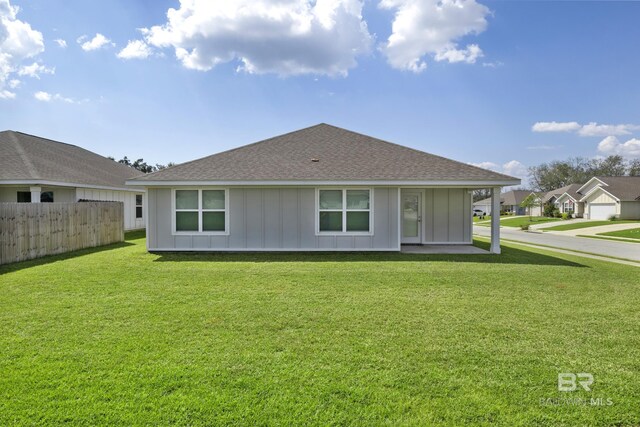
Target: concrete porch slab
[(442, 249)]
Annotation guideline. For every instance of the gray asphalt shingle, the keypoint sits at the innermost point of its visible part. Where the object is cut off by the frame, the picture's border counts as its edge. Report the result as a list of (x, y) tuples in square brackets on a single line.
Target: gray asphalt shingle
[(324, 152)]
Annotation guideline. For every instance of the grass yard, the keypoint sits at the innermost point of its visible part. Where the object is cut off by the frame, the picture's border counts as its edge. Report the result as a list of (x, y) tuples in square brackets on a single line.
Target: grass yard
[(118, 336), (525, 220), (633, 233), (586, 224), (485, 218)]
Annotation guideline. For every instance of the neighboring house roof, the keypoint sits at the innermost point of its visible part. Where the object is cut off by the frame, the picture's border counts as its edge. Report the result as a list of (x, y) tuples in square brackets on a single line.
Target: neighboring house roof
[(624, 188), (33, 160), (510, 198), (324, 153), (572, 189)]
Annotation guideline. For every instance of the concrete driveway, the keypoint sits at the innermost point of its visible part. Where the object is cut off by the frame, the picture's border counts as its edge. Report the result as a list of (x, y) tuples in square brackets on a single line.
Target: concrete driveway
[(584, 244)]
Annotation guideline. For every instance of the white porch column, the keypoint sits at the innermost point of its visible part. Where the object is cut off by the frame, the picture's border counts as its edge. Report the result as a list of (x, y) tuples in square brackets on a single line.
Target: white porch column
[(495, 220), (35, 194)]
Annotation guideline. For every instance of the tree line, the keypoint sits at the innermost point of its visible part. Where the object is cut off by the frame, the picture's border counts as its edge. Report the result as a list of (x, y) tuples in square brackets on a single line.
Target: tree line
[(141, 165), (578, 170)]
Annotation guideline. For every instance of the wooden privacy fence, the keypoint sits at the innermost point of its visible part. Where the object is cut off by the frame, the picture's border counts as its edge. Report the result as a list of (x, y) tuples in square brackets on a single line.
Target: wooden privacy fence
[(33, 230)]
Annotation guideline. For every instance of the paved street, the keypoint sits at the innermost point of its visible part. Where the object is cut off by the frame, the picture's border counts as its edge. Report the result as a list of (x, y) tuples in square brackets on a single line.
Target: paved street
[(596, 246)]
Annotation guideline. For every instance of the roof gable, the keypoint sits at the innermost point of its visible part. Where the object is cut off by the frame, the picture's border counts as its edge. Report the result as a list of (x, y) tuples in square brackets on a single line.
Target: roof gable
[(28, 158), (323, 153)]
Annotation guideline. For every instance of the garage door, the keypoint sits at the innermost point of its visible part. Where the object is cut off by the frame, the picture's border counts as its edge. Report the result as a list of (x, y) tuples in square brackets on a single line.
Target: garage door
[(601, 210)]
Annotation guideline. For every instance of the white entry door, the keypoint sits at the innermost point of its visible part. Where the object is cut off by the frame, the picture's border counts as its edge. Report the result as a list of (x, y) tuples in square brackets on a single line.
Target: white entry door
[(411, 217), (601, 210)]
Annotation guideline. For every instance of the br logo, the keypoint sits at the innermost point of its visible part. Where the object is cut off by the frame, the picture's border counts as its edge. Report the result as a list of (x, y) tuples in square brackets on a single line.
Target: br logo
[(569, 381)]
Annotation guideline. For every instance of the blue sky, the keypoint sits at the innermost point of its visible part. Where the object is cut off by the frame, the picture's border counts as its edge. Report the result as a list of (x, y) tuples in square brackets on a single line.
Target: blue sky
[(570, 67)]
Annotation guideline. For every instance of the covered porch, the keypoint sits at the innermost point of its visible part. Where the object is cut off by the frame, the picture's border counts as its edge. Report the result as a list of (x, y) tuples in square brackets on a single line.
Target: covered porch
[(440, 220)]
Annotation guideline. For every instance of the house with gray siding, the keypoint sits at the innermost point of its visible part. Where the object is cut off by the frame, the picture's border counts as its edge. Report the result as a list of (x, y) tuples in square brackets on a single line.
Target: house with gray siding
[(321, 188), (40, 170)]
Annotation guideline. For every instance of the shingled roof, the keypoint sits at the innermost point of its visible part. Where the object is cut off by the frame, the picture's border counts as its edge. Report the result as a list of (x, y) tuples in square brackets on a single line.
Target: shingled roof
[(324, 153), (28, 158), (625, 188), (571, 189)]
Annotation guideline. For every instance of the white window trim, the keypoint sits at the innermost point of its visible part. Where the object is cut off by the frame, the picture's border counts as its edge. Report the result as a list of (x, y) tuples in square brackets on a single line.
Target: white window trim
[(141, 205), (344, 213), (200, 211)]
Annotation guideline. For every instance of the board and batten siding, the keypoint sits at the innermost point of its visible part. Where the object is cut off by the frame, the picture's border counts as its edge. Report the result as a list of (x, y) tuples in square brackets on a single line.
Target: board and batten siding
[(272, 219), (447, 216), (128, 198)]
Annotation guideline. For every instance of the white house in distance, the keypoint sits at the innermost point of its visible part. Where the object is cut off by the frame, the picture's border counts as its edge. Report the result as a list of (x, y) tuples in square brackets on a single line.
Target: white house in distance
[(322, 188), (39, 170), (510, 203), (606, 196)]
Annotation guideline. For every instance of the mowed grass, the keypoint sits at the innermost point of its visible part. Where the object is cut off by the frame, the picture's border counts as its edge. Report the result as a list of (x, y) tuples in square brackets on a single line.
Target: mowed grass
[(633, 233), (523, 220), (118, 336), (586, 224)]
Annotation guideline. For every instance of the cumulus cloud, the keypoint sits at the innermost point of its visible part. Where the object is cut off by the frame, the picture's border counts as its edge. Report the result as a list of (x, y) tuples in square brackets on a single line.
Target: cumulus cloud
[(285, 37), (18, 42), (34, 70), (61, 43), (135, 49), (591, 129), (99, 41), (594, 129), (611, 145), (48, 97), (512, 168), (432, 27), (555, 127)]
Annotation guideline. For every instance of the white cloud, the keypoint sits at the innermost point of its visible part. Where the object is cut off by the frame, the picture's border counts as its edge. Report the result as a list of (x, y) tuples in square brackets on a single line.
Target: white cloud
[(135, 49), (512, 168), (61, 43), (611, 145), (486, 165), (468, 55), (98, 42), (34, 70), (286, 37), (591, 129), (432, 27), (555, 127), (42, 96), (5, 94), (14, 83), (594, 129), (47, 97), (18, 42), (515, 168)]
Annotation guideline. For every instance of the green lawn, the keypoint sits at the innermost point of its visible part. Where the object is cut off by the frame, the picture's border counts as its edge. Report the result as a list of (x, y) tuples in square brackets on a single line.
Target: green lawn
[(117, 336), (525, 220), (586, 224), (486, 218), (633, 233)]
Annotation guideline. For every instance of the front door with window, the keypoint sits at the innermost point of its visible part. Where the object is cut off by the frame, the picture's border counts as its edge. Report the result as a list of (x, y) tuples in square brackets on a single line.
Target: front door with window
[(411, 217)]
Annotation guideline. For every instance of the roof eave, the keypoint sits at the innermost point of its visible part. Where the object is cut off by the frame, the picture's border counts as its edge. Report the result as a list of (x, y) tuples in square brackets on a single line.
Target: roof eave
[(436, 183)]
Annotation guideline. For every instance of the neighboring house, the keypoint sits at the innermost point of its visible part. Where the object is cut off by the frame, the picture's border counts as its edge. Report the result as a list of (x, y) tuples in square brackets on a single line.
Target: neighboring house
[(569, 201), (39, 170), (510, 203), (321, 188), (552, 196), (605, 196)]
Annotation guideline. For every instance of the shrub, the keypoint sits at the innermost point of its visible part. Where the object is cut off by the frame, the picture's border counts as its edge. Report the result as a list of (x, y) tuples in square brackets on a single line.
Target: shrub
[(549, 209), (566, 216), (612, 217), (524, 227), (557, 214)]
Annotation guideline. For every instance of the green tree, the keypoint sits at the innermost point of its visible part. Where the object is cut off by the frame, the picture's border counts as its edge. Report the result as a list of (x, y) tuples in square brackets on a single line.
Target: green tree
[(530, 202)]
